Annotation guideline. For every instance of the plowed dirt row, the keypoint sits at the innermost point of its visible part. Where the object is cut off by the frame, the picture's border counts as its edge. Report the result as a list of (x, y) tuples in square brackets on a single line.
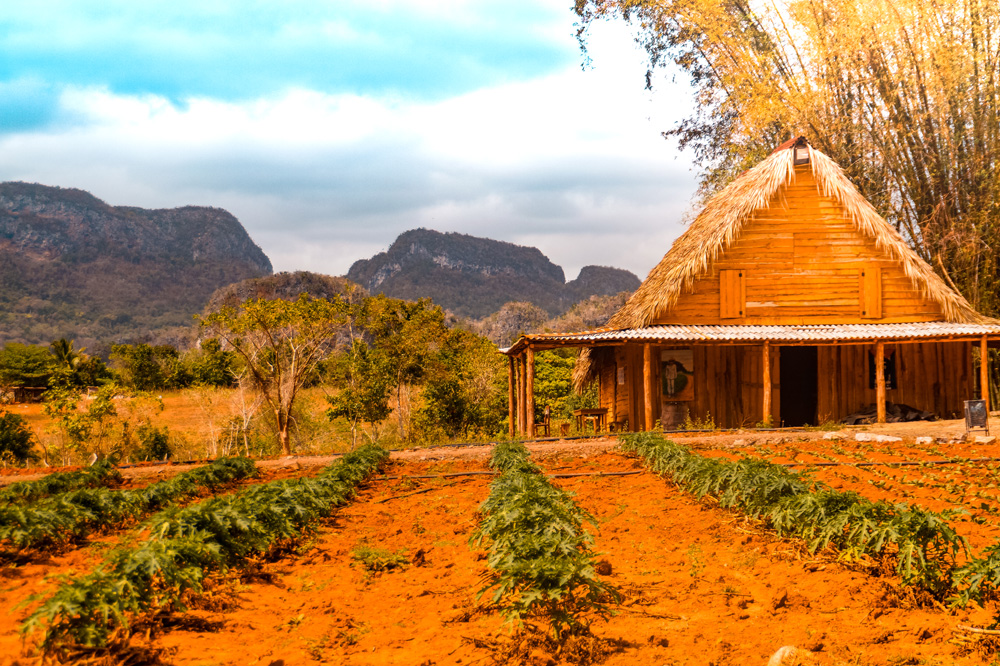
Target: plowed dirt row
[(702, 586)]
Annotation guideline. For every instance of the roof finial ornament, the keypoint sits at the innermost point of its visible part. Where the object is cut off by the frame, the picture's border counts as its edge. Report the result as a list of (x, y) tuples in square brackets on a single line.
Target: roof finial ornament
[(801, 151)]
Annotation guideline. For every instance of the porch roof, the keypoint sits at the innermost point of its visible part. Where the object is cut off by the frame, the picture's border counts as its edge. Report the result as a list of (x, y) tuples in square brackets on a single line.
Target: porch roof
[(811, 334)]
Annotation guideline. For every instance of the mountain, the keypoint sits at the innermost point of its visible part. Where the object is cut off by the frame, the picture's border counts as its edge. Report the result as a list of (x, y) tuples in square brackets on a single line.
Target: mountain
[(474, 277), (284, 285), (72, 266)]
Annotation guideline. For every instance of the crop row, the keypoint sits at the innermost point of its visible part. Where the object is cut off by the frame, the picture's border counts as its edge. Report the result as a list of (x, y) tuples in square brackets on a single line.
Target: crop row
[(921, 543), (101, 474), (185, 546), (539, 552), (75, 513)]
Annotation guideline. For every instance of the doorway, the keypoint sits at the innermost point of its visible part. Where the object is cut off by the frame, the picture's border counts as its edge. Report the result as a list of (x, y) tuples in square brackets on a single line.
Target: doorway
[(799, 386)]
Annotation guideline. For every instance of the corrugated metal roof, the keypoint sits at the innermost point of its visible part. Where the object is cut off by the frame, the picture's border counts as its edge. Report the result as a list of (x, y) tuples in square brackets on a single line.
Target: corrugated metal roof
[(812, 333)]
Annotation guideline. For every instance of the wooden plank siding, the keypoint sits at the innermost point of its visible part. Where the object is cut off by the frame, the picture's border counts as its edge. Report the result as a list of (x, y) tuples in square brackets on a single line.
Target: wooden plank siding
[(801, 261), (931, 376), (621, 407)]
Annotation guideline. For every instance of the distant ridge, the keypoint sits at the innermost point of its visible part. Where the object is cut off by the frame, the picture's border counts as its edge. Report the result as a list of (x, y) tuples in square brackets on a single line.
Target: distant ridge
[(474, 277), (73, 266)]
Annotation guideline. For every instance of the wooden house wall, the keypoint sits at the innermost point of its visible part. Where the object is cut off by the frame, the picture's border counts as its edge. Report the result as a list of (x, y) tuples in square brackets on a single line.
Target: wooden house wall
[(802, 261), (729, 384), (932, 376)]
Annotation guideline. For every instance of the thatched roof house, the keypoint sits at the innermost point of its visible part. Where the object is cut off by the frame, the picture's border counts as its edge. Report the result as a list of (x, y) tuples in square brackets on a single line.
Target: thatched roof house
[(772, 307)]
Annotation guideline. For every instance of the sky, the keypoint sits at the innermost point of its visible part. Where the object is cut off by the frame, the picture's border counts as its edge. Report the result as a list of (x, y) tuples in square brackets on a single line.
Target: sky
[(330, 127)]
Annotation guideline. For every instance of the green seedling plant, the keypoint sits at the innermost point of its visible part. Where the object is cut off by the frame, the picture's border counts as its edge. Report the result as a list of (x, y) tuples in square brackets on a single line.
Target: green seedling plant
[(96, 476), (187, 545), (76, 513), (378, 560), (539, 557), (923, 546)]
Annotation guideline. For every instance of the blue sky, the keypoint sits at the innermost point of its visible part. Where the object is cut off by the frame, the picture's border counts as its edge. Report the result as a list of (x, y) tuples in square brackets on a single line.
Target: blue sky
[(329, 128)]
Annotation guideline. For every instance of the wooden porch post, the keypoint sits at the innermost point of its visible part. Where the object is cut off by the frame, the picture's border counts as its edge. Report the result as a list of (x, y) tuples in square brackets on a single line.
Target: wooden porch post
[(767, 382), (520, 395), (511, 400), (529, 391), (524, 395), (984, 372), (614, 396), (647, 376), (880, 380)]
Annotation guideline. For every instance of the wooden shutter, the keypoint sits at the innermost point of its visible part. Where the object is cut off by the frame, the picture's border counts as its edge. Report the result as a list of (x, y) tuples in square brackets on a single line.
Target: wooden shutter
[(732, 294), (871, 292)]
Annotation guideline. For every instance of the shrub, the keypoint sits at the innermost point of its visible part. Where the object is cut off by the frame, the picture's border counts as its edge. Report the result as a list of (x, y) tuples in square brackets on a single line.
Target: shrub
[(16, 438), (154, 443)]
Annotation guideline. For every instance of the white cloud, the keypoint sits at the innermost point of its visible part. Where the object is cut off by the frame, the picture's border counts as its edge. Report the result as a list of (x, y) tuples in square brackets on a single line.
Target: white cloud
[(571, 162)]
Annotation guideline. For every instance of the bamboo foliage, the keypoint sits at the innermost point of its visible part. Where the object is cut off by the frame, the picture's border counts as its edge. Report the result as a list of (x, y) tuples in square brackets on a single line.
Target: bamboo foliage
[(902, 93)]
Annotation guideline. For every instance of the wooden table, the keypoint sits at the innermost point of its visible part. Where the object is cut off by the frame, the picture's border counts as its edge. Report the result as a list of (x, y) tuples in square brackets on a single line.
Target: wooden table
[(597, 417)]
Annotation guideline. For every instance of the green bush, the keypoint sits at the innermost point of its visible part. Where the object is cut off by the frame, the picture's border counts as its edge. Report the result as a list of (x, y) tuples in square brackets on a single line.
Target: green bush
[(154, 443), (16, 438)]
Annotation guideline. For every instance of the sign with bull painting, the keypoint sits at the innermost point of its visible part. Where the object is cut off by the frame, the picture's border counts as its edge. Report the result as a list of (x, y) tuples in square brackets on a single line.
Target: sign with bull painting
[(677, 374)]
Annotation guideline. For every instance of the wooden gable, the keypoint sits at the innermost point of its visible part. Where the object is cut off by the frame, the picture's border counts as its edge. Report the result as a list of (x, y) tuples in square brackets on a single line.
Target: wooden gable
[(801, 261)]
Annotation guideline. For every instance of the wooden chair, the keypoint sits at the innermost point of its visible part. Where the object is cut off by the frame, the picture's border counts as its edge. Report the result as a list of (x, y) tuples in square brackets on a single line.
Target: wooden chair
[(543, 425)]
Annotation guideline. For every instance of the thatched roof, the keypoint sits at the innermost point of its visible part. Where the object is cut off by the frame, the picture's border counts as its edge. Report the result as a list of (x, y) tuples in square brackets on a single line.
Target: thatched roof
[(722, 221)]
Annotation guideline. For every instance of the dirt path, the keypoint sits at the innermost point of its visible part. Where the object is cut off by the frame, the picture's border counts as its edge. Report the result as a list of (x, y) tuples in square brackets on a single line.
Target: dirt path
[(731, 439)]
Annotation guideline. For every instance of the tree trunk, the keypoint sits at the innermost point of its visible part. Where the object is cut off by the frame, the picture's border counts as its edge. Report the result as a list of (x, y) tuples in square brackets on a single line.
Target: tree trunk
[(283, 438)]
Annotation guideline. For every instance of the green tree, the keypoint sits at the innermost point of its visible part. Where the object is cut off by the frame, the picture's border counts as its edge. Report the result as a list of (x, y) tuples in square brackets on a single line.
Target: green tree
[(137, 367), (68, 423), (280, 344), (25, 365), (154, 443), (554, 382), (407, 336), (144, 367), (16, 439), (74, 367), (364, 376), (211, 365), (465, 393)]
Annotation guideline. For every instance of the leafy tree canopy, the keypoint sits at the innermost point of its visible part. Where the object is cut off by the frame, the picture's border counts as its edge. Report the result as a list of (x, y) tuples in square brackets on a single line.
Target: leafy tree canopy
[(25, 365)]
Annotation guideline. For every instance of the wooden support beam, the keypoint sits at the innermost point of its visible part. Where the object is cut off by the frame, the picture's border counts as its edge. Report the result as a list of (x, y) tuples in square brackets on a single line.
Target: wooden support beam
[(522, 398), (767, 383), (519, 373), (880, 380), (529, 391), (984, 371), (613, 410), (647, 376), (511, 396)]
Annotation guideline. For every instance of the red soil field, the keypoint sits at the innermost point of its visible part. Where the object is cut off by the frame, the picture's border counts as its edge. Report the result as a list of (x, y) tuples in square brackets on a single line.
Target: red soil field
[(702, 585)]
